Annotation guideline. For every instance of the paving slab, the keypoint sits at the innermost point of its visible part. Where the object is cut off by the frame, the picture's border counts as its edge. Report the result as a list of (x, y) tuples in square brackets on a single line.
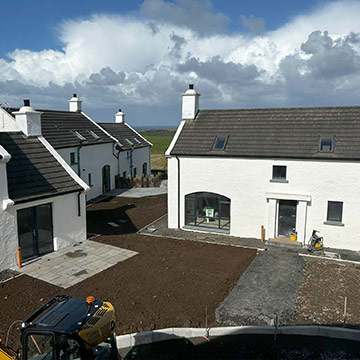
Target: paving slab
[(74, 264), (137, 192)]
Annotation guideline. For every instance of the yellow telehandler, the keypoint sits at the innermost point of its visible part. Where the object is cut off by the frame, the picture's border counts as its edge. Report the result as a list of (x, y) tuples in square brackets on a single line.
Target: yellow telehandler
[(67, 328)]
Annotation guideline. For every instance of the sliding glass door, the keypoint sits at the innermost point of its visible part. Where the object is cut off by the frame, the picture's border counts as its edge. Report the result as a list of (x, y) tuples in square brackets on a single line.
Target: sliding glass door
[(35, 230)]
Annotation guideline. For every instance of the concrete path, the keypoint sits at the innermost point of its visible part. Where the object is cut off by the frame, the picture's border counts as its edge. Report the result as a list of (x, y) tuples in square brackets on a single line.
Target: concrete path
[(71, 265), (267, 289), (138, 192)]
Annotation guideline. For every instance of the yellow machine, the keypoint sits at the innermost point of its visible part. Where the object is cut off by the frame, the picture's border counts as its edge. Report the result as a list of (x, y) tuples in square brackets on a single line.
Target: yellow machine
[(68, 328)]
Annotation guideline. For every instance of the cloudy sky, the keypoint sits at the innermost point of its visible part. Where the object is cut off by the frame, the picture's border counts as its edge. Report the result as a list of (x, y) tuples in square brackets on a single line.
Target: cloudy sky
[(140, 55)]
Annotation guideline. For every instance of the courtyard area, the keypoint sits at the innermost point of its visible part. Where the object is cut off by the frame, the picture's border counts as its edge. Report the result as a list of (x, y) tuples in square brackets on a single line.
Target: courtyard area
[(169, 283), (175, 278)]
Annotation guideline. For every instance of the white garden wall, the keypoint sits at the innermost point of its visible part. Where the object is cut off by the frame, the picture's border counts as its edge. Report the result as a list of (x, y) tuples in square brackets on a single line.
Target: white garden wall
[(253, 197)]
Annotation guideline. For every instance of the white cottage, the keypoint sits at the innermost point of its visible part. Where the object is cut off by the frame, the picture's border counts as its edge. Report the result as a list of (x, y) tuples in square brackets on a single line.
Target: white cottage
[(91, 151), (42, 200), (233, 171)]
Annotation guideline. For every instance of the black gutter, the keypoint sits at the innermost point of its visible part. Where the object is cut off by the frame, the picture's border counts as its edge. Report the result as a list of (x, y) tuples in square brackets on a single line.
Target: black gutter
[(45, 196)]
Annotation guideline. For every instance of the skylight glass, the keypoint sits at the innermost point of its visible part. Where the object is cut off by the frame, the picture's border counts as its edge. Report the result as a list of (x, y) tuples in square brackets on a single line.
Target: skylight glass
[(220, 143), (80, 137), (128, 141), (97, 137), (326, 144)]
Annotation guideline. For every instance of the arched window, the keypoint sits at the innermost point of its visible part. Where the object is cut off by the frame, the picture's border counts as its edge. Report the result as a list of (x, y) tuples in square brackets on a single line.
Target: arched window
[(106, 183), (144, 168), (207, 210)]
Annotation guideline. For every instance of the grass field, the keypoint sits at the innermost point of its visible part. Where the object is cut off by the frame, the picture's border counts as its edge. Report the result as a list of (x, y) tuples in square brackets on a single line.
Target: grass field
[(160, 139)]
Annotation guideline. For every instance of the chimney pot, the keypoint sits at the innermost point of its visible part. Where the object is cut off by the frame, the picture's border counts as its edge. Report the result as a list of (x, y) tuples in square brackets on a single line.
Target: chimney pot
[(190, 103), (28, 120), (74, 103)]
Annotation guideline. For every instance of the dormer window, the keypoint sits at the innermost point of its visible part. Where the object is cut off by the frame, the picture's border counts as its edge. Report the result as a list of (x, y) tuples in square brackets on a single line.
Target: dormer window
[(326, 144), (97, 137), (220, 143), (80, 137)]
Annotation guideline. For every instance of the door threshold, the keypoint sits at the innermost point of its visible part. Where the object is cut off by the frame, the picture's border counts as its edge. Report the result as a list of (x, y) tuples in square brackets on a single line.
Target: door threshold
[(282, 240)]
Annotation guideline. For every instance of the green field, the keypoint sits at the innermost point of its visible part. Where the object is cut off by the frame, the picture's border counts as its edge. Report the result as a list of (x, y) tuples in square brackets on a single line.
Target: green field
[(160, 139)]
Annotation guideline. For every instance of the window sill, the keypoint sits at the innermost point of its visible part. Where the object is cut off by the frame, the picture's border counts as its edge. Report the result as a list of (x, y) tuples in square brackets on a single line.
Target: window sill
[(206, 229), (284, 181), (334, 223), (74, 163)]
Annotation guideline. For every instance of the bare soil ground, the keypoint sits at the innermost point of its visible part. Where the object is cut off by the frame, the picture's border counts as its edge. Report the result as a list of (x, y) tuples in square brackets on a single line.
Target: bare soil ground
[(170, 283), (321, 297)]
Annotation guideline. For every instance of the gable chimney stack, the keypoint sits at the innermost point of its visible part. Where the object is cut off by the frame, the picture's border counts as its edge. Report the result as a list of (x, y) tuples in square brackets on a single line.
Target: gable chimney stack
[(190, 103), (120, 117), (28, 120), (75, 103)]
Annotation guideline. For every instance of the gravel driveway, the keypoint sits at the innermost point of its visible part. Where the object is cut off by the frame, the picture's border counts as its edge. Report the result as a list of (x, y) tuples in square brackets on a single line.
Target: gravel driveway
[(268, 288)]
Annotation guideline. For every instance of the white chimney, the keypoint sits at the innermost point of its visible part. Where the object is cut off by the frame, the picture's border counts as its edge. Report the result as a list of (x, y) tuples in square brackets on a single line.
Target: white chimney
[(74, 103), (190, 103), (120, 117), (28, 120)]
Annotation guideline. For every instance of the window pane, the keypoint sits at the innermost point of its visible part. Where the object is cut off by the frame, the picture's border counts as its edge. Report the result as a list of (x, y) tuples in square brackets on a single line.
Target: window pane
[(44, 227), (25, 231), (335, 211), (279, 172), (39, 346), (220, 143), (207, 210), (326, 144)]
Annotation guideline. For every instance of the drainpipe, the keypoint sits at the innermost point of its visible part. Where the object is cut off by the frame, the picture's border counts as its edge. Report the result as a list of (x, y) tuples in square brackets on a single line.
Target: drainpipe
[(178, 189), (117, 155), (78, 158), (79, 203), (130, 159)]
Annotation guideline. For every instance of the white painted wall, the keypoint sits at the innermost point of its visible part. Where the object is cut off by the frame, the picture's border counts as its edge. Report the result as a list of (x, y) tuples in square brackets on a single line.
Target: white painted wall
[(92, 160), (247, 181), (94, 157), (68, 227), (7, 122)]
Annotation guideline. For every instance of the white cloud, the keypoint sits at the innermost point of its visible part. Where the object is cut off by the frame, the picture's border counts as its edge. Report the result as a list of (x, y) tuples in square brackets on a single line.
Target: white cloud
[(148, 59)]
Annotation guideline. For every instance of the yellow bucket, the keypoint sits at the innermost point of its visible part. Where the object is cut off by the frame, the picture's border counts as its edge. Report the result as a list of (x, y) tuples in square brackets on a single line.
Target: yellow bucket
[(293, 236)]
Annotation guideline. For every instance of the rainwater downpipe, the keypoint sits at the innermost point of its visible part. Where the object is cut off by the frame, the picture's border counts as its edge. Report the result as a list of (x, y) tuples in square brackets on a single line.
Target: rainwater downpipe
[(178, 189), (79, 203), (117, 147), (131, 161), (78, 159)]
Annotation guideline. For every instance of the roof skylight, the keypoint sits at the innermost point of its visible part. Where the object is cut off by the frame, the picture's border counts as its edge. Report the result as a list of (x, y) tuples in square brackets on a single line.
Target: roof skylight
[(80, 137), (220, 142), (326, 144), (136, 140), (129, 142), (97, 137)]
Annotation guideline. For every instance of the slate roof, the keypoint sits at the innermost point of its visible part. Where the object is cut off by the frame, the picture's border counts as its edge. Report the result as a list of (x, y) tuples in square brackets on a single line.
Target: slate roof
[(273, 133), (121, 132), (57, 126), (33, 173)]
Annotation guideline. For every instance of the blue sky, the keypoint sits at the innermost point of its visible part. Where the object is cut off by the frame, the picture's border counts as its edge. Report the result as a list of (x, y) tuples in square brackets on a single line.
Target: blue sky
[(141, 54)]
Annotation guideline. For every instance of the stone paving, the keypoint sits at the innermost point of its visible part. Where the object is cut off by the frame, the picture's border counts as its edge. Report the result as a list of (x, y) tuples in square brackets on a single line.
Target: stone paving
[(138, 192), (71, 265)]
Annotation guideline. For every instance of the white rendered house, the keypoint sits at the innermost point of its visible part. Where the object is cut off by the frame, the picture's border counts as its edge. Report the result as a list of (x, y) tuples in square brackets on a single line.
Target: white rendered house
[(42, 200), (91, 151), (233, 171)]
